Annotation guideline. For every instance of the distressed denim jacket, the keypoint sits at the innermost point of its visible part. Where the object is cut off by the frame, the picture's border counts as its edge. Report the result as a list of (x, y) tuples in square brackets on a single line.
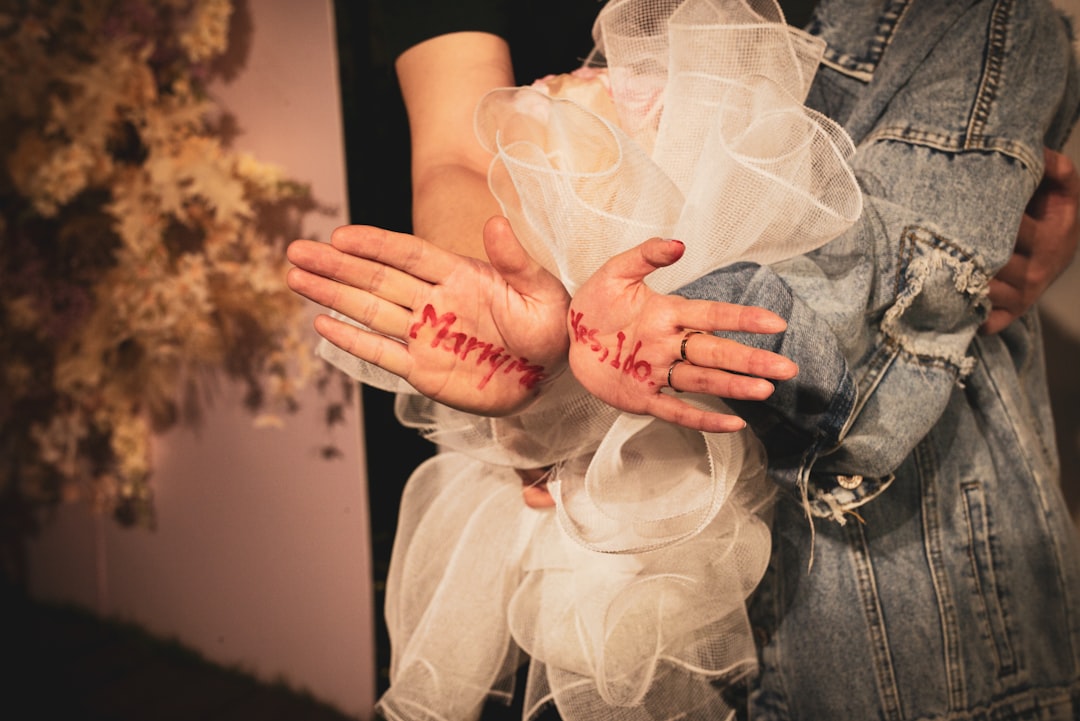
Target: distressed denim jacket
[(924, 566)]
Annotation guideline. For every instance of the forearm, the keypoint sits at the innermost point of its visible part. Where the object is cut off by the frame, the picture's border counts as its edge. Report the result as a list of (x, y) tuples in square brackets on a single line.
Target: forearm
[(442, 80), (451, 203)]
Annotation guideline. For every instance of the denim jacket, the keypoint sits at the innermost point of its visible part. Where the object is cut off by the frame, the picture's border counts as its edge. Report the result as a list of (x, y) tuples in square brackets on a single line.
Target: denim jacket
[(944, 580)]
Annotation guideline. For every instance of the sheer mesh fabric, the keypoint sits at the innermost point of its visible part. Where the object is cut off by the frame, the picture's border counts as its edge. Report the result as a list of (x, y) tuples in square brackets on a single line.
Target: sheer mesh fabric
[(705, 138), (477, 578), (627, 600)]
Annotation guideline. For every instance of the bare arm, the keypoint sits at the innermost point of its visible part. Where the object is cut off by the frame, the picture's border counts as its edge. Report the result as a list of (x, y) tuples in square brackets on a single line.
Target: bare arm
[(442, 80)]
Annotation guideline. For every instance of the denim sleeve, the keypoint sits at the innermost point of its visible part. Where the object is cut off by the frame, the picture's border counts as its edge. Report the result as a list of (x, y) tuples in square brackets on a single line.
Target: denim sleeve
[(880, 319)]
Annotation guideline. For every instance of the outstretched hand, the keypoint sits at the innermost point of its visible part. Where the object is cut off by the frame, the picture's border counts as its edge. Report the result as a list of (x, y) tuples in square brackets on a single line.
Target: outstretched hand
[(1045, 244), (480, 337), (628, 343)]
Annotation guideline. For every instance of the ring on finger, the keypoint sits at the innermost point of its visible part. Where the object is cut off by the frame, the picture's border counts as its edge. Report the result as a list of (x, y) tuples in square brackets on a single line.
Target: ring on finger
[(671, 368), (682, 346)]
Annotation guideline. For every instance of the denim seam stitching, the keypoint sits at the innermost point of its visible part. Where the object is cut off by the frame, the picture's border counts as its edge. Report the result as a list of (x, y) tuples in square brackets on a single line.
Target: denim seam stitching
[(1042, 699), (952, 143), (981, 557), (877, 366), (993, 64), (884, 671), (862, 68), (925, 466)]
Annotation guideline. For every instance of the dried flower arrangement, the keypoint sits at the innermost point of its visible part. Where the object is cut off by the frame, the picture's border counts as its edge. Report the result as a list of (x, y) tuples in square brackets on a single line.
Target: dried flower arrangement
[(140, 256)]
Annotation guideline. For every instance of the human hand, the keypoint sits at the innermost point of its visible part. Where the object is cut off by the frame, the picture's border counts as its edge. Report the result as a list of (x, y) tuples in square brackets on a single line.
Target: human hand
[(480, 337), (628, 342), (534, 487), (1045, 244)]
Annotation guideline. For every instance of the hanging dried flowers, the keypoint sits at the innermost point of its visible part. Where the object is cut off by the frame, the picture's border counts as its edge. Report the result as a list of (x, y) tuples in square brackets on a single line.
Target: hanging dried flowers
[(136, 259)]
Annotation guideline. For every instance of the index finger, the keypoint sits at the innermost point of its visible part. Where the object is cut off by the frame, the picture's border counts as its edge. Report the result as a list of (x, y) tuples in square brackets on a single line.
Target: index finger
[(407, 253), (324, 260), (713, 315), (681, 413)]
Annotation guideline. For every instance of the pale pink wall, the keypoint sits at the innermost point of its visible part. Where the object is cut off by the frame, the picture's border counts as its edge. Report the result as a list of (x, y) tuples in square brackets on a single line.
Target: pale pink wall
[(261, 556)]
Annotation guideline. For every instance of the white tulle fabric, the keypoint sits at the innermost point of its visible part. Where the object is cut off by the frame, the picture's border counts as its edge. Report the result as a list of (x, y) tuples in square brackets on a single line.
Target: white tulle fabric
[(709, 142), (627, 600)]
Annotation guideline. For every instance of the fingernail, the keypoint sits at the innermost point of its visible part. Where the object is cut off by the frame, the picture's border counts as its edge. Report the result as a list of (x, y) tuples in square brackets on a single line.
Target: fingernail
[(676, 240), (774, 324)]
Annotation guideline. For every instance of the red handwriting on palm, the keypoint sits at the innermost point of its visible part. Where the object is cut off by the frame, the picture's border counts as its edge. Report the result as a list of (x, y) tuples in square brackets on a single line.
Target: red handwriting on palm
[(638, 369), (491, 358), (625, 338), (481, 337)]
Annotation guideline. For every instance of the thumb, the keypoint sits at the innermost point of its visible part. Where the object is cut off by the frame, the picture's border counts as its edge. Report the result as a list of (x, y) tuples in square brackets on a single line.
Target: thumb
[(510, 259), (639, 261)]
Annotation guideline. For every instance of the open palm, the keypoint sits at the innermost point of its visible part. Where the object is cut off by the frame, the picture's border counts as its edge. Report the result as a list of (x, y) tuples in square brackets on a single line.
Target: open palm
[(480, 337), (630, 343)]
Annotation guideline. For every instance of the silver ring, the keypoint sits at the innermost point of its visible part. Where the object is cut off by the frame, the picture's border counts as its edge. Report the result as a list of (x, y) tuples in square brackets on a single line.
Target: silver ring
[(671, 367), (682, 346)]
